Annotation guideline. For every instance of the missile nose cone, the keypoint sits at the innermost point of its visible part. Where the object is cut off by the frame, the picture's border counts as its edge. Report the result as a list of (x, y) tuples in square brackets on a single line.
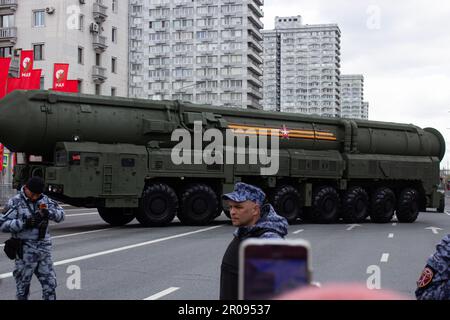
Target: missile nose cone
[(21, 122)]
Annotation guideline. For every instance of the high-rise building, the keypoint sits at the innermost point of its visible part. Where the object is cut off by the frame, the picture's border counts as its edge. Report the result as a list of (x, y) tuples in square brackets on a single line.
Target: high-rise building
[(365, 111), (206, 51), (352, 97), (302, 67), (90, 35)]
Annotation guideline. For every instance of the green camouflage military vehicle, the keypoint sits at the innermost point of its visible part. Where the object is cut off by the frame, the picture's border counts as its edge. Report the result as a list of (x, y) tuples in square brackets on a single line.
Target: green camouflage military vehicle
[(116, 154)]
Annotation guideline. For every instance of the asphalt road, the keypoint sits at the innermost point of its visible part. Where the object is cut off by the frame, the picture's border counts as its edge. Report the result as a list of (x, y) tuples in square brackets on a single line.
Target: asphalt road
[(180, 262)]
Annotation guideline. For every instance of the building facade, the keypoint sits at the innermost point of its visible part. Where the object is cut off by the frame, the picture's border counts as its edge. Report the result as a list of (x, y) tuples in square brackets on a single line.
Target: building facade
[(302, 67), (90, 35), (352, 97), (205, 51)]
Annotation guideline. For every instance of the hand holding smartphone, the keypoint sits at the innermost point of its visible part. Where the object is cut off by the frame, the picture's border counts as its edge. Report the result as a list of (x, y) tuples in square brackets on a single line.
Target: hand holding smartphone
[(270, 267)]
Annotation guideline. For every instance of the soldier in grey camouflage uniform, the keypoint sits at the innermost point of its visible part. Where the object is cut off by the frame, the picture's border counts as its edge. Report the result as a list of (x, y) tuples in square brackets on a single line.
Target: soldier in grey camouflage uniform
[(255, 218), (26, 216), (434, 282)]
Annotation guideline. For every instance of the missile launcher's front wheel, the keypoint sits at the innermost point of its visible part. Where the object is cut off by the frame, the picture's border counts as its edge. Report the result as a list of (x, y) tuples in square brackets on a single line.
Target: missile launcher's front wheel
[(286, 202), (117, 216), (158, 205), (408, 206), (383, 205), (199, 205), (355, 205)]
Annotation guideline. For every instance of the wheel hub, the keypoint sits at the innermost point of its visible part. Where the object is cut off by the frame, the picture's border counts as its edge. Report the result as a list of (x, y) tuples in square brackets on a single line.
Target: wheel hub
[(158, 206)]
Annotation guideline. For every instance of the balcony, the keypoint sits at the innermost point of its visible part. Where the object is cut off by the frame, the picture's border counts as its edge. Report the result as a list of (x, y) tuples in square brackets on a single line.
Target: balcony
[(253, 103), (8, 36), (255, 19), (99, 43), (253, 30), (8, 5), (256, 68), (256, 9), (99, 12), (254, 92), (99, 74), (256, 44), (254, 54), (254, 80)]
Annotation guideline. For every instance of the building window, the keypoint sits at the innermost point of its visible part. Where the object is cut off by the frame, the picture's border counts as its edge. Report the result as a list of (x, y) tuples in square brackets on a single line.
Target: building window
[(80, 55), (7, 21), (97, 60), (38, 52), (113, 92), (114, 65), (6, 52), (81, 22), (39, 18), (98, 89), (114, 35), (114, 5)]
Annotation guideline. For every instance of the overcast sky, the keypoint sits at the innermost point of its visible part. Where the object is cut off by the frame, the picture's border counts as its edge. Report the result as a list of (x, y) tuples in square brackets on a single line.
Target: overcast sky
[(401, 47)]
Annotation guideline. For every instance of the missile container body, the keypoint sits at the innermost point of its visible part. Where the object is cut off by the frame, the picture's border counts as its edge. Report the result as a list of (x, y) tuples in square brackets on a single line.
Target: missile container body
[(122, 156)]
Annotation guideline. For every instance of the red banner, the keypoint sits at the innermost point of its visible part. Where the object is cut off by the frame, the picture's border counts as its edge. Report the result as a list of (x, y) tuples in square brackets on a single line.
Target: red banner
[(2, 150), (13, 84), (60, 73), (4, 69), (71, 86), (26, 63), (33, 81)]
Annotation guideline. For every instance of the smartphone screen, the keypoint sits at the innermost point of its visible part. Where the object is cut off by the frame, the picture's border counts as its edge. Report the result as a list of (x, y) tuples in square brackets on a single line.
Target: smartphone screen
[(270, 267)]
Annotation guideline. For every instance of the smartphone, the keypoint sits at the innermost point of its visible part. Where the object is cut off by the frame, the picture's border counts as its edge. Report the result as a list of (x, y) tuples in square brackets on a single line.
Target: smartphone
[(270, 267)]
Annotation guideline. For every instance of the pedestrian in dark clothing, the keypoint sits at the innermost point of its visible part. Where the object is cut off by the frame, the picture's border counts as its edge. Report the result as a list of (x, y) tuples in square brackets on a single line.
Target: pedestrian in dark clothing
[(254, 219), (434, 282)]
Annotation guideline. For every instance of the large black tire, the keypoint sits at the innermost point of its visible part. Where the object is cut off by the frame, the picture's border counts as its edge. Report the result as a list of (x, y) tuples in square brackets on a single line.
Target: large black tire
[(383, 205), (286, 202), (158, 205), (355, 205), (325, 206), (199, 205), (408, 206), (117, 216)]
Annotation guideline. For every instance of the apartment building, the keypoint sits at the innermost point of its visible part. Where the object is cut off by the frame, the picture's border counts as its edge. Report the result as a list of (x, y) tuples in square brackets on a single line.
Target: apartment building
[(205, 51), (90, 35), (352, 97), (302, 67)]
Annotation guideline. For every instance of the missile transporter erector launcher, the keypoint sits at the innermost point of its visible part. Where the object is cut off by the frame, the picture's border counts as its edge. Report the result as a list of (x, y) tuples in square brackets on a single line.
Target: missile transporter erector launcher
[(117, 155)]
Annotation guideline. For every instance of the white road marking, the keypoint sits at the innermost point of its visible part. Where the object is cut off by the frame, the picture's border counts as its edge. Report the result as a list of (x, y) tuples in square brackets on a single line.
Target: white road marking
[(80, 233), (81, 214), (435, 230), (141, 244), (74, 234), (384, 257), (352, 226), (298, 231), (394, 224), (391, 235), (163, 293)]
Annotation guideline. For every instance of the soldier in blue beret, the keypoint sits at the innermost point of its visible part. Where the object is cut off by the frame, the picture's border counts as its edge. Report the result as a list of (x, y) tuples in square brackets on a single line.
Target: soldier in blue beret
[(434, 282), (255, 218), (27, 216)]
